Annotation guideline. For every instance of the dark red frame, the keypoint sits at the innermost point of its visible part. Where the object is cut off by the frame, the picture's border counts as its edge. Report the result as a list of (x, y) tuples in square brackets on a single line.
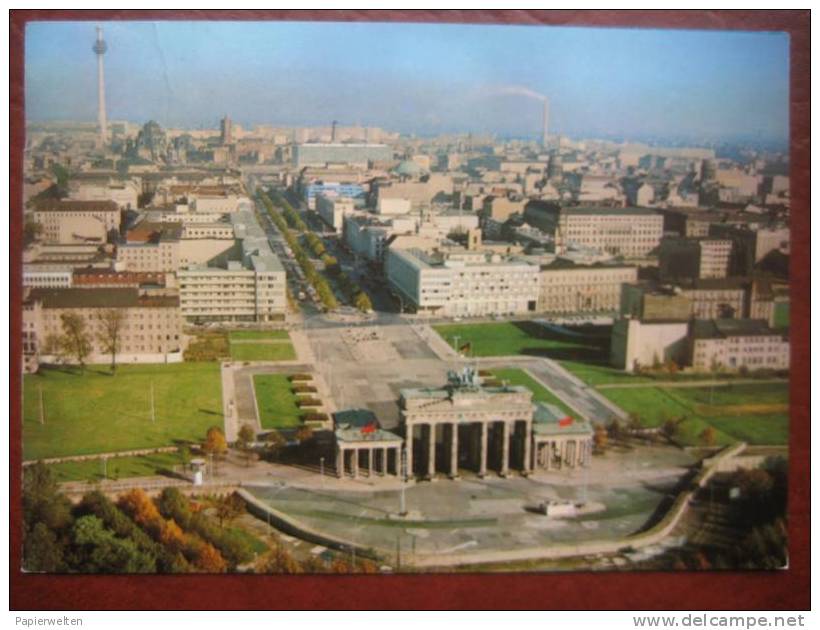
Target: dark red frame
[(788, 589)]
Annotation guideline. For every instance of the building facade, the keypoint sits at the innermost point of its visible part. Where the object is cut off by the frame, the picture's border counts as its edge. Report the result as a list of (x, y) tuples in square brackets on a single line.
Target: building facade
[(569, 288), (468, 284)]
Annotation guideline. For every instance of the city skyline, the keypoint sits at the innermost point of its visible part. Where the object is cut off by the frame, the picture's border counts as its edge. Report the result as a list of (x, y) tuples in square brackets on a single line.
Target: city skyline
[(628, 83)]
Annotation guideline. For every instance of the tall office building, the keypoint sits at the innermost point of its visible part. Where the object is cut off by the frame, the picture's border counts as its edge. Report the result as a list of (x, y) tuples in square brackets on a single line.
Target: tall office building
[(226, 128), (99, 49)]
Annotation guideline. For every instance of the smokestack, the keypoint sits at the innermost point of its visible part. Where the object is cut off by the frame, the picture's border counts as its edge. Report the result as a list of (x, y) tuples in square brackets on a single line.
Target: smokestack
[(333, 132), (546, 124)]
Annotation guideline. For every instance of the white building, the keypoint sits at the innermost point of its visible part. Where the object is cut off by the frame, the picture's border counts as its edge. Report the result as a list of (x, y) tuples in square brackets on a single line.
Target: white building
[(738, 344), (463, 283), (334, 210), (252, 288)]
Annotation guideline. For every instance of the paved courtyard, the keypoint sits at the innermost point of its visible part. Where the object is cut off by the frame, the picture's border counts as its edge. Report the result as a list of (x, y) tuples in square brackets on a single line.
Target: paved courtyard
[(621, 490)]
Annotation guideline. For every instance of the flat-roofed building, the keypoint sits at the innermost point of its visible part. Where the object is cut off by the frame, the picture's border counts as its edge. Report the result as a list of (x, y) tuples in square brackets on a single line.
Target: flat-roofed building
[(628, 232), (569, 288), (150, 247), (333, 210), (46, 278), (125, 193), (462, 283), (694, 258), (249, 285), (321, 154), (736, 344), (150, 330), (637, 343), (77, 222), (716, 298)]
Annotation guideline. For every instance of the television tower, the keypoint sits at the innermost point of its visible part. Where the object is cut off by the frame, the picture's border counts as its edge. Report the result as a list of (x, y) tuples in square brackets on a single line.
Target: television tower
[(99, 49), (545, 124)]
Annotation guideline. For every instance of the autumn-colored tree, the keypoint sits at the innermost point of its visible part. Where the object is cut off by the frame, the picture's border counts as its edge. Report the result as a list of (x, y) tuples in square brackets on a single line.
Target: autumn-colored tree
[(367, 566), (208, 560), (278, 560), (313, 564), (600, 438), (274, 443), (229, 507), (340, 565), (615, 428), (246, 436), (707, 436), (215, 442), (304, 434), (172, 536), (136, 503)]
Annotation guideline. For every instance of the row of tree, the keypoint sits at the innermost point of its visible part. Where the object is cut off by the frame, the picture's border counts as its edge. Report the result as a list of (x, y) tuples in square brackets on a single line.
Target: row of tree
[(318, 282), (75, 342), (354, 292)]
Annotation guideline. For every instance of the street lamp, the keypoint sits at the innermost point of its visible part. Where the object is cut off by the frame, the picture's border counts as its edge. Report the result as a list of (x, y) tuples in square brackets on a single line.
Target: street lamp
[(322, 470)]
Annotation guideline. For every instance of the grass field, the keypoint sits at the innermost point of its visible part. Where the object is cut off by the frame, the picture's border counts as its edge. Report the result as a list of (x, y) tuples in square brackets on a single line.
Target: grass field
[(540, 393), (276, 403), (754, 413), (276, 351), (118, 467), (510, 338), (96, 412), (251, 335)]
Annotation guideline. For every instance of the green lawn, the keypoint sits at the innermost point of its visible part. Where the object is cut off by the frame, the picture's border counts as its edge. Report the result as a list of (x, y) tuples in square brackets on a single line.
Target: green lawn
[(540, 393), (244, 335), (255, 544), (600, 374), (96, 412), (510, 338), (276, 403), (754, 413), (118, 467), (275, 351)]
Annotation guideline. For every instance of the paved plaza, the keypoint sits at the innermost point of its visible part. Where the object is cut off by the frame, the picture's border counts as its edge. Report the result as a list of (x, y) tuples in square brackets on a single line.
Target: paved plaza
[(621, 490)]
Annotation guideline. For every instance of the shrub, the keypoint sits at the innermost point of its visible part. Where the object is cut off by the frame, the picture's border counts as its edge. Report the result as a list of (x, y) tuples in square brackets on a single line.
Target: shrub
[(301, 376), (308, 402), (304, 389), (314, 416)]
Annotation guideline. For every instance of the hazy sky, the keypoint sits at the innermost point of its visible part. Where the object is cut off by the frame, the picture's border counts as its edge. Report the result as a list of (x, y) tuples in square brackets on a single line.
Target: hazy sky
[(416, 78)]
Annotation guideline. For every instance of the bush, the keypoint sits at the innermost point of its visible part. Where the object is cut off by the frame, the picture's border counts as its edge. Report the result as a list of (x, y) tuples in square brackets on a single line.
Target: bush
[(308, 402), (314, 416), (304, 389), (301, 376)]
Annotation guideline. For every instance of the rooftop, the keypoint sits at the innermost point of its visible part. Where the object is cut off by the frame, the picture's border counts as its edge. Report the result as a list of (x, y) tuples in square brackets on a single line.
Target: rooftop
[(68, 205), (724, 328), (101, 298)]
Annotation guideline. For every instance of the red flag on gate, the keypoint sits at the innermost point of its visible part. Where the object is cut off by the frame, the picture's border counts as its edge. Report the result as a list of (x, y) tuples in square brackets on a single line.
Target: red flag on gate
[(565, 421)]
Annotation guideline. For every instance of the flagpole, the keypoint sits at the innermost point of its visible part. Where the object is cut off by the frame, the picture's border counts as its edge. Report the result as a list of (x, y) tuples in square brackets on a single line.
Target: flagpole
[(42, 407)]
